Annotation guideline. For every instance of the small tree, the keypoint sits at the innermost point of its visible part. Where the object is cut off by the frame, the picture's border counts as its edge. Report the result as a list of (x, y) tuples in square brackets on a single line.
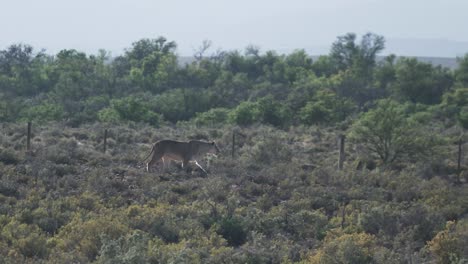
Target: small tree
[(387, 132)]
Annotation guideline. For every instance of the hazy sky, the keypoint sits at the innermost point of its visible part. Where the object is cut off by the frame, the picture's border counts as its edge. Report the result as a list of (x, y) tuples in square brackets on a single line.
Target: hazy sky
[(438, 27)]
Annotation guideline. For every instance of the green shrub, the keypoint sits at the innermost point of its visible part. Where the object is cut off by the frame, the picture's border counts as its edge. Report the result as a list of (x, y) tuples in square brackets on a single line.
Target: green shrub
[(232, 229), (109, 115), (314, 113), (8, 188), (212, 117), (326, 107), (135, 109), (26, 239), (387, 132), (270, 150), (91, 108), (449, 245), (129, 108), (463, 117), (126, 249), (44, 112), (273, 112), (87, 235), (246, 113), (181, 104), (8, 156), (356, 248)]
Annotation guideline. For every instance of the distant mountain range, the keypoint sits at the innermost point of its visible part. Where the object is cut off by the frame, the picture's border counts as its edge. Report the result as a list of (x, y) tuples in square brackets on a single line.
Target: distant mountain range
[(426, 47), (450, 63)]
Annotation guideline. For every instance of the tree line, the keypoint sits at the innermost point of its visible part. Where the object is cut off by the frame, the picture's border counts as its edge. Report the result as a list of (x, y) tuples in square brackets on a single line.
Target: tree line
[(148, 84)]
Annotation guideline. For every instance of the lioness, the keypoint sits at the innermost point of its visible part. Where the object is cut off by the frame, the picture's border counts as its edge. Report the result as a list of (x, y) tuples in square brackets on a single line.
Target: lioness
[(181, 151)]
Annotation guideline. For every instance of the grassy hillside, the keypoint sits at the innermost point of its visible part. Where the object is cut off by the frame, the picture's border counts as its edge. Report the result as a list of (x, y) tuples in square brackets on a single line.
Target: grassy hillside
[(281, 199)]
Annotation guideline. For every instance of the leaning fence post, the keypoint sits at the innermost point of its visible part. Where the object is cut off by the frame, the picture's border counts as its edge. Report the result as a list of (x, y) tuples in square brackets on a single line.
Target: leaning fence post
[(341, 157), (105, 141), (28, 141)]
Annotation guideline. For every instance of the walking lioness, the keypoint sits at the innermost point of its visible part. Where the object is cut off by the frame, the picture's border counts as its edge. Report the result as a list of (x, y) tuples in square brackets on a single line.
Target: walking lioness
[(186, 152)]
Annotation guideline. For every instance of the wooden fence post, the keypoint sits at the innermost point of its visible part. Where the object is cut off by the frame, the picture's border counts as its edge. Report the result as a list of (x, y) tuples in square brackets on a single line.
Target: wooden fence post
[(28, 142), (105, 140), (343, 214), (341, 157), (233, 143), (460, 144)]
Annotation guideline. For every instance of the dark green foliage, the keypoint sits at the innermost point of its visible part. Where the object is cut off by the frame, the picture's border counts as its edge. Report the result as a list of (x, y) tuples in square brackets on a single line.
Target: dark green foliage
[(326, 107), (266, 110), (180, 104), (233, 231), (273, 112), (421, 82), (132, 108), (44, 112), (246, 113)]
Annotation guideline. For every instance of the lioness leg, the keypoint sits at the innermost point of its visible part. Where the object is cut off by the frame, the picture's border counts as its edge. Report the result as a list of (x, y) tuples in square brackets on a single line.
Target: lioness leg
[(199, 166), (164, 163), (156, 157), (185, 165)]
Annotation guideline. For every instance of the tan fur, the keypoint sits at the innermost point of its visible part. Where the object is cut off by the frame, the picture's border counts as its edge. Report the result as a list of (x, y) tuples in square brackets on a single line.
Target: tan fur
[(186, 152)]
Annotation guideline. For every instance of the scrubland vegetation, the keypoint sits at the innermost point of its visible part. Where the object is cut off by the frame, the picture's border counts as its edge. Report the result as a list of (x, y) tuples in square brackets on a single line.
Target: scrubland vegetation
[(401, 196)]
